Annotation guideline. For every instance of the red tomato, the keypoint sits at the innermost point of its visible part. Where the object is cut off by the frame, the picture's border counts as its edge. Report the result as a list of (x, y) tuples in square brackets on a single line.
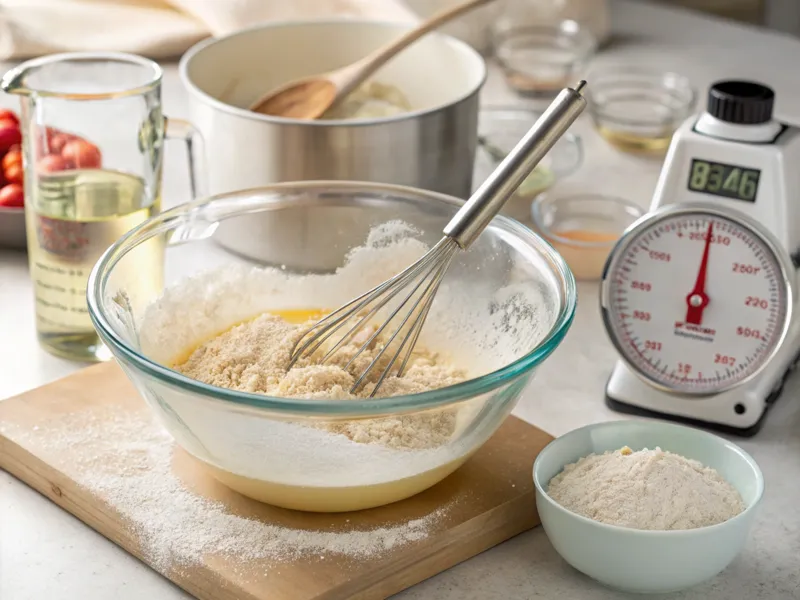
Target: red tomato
[(9, 114), (12, 196), (52, 163), (43, 137), (58, 141), (13, 157), (83, 154), (51, 132), (13, 173), (9, 135)]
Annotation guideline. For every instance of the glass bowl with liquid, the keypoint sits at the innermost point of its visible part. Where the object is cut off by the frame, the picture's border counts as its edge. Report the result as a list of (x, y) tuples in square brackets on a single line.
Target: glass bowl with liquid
[(502, 308), (540, 60), (637, 110), (584, 228), (499, 129)]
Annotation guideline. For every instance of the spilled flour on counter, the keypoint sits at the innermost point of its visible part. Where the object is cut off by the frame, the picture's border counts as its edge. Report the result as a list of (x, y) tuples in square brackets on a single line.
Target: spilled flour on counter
[(646, 489), (126, 459)]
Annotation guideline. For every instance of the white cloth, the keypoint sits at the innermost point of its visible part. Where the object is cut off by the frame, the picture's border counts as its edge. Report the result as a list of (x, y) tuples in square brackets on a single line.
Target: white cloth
[(157, 28)]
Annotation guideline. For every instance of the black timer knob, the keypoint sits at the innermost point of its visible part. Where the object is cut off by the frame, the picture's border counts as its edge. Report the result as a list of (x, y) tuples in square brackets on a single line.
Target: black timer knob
[(741, 102)]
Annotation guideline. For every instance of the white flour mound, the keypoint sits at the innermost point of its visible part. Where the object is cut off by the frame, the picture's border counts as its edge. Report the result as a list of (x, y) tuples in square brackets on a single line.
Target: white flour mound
[(126, 459), (647, 489)]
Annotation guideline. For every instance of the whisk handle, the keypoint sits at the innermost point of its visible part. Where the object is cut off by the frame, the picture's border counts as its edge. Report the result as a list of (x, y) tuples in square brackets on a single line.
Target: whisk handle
[(486, 202)]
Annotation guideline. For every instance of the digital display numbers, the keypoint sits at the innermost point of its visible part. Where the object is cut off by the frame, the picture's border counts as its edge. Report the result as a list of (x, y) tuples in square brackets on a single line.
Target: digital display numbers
[(728, 181)]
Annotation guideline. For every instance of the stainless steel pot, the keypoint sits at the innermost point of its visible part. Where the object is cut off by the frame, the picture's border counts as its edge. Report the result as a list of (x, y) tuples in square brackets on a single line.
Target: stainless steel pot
[(432, 147)]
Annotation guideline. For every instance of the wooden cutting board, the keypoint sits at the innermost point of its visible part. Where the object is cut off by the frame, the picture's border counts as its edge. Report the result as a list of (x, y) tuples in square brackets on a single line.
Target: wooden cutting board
[(489, 500)]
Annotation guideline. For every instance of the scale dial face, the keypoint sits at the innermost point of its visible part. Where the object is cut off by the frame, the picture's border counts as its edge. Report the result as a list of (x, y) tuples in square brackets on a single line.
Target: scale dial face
[(697, 300)]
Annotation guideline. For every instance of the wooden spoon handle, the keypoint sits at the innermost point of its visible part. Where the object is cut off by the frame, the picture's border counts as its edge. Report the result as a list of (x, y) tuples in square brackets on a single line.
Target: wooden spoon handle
[(348, 79)]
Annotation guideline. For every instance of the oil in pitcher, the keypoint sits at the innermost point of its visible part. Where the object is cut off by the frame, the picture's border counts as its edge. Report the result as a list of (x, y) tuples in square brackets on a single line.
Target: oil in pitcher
[(93, 133), (73, 217)]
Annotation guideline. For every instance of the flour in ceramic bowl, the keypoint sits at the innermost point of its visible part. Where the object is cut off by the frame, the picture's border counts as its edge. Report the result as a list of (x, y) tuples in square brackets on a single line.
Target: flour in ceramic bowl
[(646, 489)]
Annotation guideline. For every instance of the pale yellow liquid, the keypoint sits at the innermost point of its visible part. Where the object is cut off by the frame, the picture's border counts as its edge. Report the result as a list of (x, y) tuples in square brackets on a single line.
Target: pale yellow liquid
[(540, 179), (72, 219), (333, 499), (326, 498), (636, 143)]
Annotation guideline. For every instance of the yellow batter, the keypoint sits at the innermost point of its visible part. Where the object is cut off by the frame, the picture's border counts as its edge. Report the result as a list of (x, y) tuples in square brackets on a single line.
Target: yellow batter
[(292, 315)]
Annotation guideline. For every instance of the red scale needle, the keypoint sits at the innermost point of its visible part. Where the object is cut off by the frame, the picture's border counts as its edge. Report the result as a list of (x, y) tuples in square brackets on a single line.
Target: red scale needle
[(697, 300)]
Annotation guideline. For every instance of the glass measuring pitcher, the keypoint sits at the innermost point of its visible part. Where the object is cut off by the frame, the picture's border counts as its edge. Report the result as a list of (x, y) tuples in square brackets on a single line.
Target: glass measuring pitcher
[(92, 141)]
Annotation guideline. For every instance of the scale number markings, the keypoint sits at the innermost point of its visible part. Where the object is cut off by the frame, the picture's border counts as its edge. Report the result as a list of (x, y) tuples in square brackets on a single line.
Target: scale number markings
[(703, 307)]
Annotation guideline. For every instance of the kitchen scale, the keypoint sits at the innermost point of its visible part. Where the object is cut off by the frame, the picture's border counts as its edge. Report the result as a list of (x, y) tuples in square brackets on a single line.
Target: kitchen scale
[(699, 295)]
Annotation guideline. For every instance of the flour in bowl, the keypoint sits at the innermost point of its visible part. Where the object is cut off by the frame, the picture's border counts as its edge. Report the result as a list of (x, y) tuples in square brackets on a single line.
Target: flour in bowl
[(255, 356), (647, 489)]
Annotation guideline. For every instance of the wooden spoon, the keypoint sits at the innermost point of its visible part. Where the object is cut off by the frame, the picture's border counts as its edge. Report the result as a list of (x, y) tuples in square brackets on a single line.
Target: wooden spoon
[(310, 97)]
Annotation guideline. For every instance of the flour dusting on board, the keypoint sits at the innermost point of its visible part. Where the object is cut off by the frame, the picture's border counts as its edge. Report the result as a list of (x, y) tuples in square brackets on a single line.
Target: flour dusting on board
[(126, 458)]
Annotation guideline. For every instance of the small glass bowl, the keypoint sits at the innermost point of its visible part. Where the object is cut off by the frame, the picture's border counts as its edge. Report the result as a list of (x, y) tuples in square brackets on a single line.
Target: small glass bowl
[(500, 128), (584, 228), (638, 110), (540, 61)]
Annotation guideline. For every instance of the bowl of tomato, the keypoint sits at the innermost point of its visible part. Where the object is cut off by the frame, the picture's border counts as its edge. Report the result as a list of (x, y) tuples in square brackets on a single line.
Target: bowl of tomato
[(56, 150), (12, 196)]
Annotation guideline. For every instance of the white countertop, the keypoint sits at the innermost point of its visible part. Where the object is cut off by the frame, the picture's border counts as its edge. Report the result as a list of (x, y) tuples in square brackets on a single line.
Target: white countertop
[(45, 553)]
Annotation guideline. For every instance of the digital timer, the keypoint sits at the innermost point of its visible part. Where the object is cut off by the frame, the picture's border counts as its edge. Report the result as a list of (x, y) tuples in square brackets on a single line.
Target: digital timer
[(718, 179), (699, 296)]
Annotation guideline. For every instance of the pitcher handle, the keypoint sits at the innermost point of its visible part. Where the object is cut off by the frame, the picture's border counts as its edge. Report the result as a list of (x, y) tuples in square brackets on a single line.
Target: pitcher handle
[(180, 129)]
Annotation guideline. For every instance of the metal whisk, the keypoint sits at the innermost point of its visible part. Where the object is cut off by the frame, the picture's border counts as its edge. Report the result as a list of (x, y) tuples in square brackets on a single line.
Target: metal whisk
[(420, 281)]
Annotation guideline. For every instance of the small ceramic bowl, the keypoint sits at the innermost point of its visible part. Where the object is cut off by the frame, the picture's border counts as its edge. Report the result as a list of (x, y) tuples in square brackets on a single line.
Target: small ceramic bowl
[(647, 561), (540, 61), (12, 228), (638, 110), (584, 228)]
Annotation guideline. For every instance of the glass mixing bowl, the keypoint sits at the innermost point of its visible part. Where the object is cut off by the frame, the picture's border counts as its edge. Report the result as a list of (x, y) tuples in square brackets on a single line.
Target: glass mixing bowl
[(501, 310)]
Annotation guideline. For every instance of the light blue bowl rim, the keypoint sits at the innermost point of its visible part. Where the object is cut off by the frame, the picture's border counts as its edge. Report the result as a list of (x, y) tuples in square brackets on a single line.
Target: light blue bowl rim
[(374, 406), (730, 446)]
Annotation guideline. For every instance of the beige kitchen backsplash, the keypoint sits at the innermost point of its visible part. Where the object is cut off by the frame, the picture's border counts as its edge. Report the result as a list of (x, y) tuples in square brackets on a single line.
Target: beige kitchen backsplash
[(157, 28), (166, 28)]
